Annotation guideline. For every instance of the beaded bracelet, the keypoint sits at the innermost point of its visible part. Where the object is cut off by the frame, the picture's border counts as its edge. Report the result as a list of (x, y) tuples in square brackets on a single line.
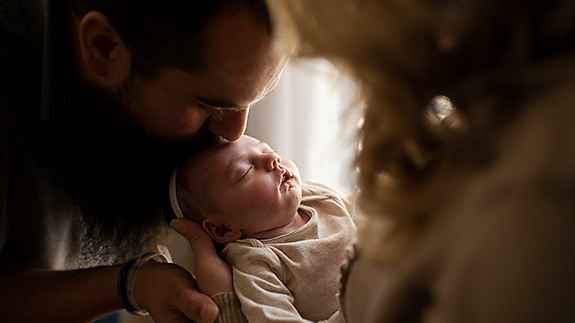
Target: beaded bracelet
[(127, 280)]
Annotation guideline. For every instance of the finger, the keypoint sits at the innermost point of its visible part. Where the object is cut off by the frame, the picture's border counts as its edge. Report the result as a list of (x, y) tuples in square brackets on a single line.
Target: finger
[(200, 242), (213, 274), (190, 229), (197, 306)]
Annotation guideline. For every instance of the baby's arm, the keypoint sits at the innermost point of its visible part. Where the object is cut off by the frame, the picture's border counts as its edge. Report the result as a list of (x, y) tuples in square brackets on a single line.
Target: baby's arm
[(268, 298)]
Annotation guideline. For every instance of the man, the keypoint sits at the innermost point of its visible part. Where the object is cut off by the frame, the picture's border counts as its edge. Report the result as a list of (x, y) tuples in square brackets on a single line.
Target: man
[(97, 101)]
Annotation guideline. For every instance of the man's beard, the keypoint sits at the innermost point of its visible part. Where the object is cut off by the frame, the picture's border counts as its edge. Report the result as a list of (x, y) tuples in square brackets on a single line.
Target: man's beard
[(117, 171)]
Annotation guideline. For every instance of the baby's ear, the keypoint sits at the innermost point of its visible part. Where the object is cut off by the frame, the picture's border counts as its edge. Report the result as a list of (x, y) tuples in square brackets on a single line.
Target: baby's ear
[(219, 232)]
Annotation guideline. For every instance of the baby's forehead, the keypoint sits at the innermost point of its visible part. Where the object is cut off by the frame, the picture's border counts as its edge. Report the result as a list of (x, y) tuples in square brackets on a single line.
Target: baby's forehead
[(248, 140), (227, 151)]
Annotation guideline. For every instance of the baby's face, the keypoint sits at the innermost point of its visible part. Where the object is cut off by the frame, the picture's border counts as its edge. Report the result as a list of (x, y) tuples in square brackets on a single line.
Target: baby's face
[(255, 189)]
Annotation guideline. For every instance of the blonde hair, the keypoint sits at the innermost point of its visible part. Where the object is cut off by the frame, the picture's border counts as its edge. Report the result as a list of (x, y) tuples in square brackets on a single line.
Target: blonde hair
[(404, 54)]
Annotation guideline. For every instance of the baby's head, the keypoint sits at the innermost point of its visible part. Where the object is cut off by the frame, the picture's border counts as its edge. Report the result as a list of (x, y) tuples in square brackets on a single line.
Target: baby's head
[(238, 189)]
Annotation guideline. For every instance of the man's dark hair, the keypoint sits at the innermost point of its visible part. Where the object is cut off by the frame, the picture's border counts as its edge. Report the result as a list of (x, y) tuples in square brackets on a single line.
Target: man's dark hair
[(169, 33)]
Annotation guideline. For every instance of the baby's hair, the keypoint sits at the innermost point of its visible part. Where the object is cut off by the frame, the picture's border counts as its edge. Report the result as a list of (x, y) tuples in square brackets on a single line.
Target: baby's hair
[(194, 189)]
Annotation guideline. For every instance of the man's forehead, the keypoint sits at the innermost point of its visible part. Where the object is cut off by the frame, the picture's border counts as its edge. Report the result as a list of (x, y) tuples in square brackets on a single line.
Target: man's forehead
[(244, 58)]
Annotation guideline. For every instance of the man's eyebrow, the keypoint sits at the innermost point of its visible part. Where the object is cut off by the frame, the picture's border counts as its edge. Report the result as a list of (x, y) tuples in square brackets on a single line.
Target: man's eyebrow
[(221, 104)]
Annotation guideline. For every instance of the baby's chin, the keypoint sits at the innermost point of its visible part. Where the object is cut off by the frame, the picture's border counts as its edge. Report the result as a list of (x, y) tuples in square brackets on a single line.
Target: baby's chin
[(297, 190)]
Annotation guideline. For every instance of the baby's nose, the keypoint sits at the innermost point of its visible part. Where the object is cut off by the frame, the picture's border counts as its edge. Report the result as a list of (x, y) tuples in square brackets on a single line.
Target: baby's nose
[(273, 162)]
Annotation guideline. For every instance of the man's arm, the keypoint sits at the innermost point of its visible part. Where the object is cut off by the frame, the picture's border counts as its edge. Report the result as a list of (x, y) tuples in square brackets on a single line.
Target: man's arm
[(167, 291), (58, 296)]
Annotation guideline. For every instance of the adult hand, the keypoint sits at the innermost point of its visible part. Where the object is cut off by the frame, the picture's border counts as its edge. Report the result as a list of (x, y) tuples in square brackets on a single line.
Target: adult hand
[(212, 273), (169, 293)]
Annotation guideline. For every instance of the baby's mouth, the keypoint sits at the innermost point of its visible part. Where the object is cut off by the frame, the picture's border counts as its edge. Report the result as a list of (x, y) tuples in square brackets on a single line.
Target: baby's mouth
[(286, 180)]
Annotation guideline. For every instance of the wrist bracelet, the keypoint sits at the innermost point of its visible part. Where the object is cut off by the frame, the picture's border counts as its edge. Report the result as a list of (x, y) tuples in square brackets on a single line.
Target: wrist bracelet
[(126, 281)]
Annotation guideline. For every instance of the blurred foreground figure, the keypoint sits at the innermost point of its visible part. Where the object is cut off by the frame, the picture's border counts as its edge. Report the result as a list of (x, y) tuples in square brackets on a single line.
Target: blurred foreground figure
[(467, 154)]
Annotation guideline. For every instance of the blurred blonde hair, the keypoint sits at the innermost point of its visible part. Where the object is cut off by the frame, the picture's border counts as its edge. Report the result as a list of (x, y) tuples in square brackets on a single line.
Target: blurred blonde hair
[(406, 53)]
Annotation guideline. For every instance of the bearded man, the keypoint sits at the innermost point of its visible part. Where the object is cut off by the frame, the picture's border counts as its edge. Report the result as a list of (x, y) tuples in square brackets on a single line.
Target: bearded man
[(98, 98)]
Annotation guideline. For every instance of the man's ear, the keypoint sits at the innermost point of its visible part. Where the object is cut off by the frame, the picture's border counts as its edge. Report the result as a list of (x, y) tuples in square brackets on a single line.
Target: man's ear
[(103, 50), (219, 232)]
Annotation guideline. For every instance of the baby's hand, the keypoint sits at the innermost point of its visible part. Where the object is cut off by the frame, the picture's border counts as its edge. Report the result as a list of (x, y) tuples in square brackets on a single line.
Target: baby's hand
[(213, 275)]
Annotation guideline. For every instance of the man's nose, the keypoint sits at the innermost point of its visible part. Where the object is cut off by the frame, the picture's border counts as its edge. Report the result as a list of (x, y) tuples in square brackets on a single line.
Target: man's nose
[(231, 125)]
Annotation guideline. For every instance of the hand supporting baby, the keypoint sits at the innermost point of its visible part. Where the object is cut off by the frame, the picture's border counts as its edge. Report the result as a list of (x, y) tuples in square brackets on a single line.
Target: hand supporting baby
[(213, 275)]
